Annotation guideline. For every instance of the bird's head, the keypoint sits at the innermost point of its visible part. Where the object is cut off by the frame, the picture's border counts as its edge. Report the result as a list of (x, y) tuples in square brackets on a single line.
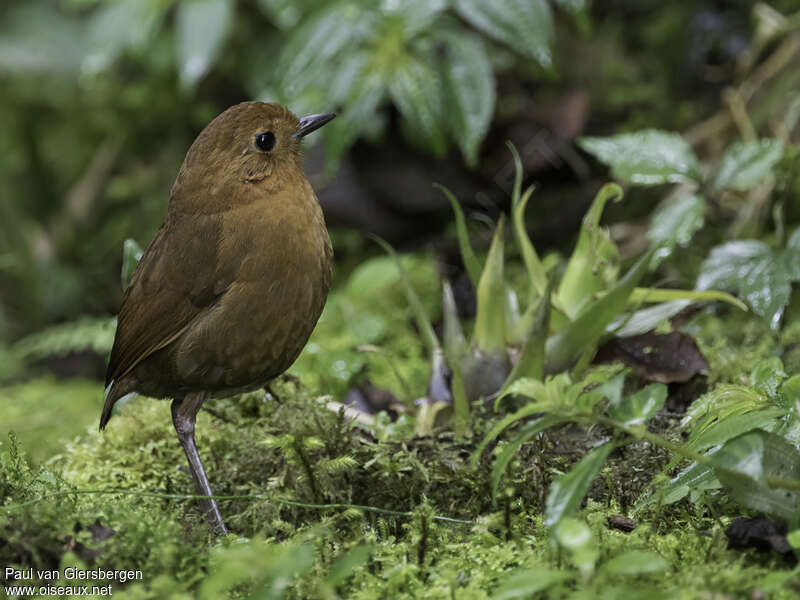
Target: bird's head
[(249, 142)]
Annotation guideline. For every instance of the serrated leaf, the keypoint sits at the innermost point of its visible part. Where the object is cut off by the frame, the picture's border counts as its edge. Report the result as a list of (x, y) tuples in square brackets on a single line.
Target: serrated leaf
[(567, 492), (745, 164), (637, 408), (311, 50), (524, 25), (416, 15), (201, 28), (416, 90), (750, 268), (675, 222), (635, 562), (648, 157), (469, 92), (747, 464), (524, 583)]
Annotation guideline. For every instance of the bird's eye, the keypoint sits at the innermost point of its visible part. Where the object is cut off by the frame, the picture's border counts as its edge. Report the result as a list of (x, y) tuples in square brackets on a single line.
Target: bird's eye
[(265, 141)]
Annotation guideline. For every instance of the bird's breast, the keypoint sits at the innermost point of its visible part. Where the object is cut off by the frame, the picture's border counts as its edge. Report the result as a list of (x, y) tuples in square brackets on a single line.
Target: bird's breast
[(261, 323)]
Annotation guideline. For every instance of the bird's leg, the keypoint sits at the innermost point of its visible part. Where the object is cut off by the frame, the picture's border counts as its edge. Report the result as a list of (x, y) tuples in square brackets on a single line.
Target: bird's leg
[(184, 412)]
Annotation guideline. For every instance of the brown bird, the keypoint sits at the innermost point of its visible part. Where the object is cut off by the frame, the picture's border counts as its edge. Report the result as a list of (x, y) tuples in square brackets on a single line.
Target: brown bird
[(227, 294)]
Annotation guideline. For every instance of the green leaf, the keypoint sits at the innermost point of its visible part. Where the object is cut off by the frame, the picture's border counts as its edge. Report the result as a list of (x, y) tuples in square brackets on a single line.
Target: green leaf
[(733, 426), (469, 92), (524, 25), (510, 450), (454, 342), (471, 262), (750, 268), (593, 265), (529, 409), (537, 274), (523, 583), (636, 562), (637, 408), (745, 164), (416, 90), (531, 359), (694, 477), (567, 492), (747, 466), (640, 295), (131, 255), (646, 319), (675, 222), (416, 15), (490, 321), (201, 28), (584, 332), (767, 376), (309, 56), (648, 157), (576, 537)]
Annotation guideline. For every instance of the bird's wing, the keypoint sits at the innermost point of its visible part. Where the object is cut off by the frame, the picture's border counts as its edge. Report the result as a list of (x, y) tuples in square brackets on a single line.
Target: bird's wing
[(178, 277)]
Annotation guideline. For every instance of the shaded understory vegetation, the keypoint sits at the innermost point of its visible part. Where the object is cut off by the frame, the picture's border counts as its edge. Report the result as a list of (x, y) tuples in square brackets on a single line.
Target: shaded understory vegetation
[(572, 388)]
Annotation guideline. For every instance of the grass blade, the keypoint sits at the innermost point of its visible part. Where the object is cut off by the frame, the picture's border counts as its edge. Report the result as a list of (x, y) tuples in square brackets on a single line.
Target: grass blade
[(490, 321), (471, 262)]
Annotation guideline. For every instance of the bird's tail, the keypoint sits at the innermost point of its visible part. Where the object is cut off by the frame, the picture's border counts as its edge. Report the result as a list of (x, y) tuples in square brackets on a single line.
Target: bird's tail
[(116, 390)]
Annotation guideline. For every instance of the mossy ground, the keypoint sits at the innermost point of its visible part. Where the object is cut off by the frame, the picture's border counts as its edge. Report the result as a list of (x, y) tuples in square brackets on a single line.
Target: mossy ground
[(276, 455)]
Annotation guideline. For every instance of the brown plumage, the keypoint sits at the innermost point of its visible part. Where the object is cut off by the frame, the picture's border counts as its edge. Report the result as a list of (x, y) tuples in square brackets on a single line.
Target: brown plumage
[(228, 292)]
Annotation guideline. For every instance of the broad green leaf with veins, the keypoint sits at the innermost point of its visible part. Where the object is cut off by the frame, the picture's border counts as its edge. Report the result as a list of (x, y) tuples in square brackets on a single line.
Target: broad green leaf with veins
[(648, 157), (760, 275), (746, 164), (417, 91), (470, 92), (524, 25), (676, 221)]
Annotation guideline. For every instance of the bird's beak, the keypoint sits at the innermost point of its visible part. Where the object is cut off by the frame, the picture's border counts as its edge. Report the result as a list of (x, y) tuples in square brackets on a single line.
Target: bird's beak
[(311, 123)]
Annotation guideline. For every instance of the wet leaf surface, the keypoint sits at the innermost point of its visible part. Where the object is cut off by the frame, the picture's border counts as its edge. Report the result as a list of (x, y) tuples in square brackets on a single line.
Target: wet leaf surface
[(660, 357), (761, 533)]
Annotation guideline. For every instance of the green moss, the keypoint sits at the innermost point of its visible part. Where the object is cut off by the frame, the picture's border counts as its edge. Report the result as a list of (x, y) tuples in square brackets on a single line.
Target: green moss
[(46, 412)]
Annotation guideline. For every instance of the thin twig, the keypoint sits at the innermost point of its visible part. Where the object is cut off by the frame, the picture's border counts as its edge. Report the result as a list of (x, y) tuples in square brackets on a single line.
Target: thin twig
[(145, 494)]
